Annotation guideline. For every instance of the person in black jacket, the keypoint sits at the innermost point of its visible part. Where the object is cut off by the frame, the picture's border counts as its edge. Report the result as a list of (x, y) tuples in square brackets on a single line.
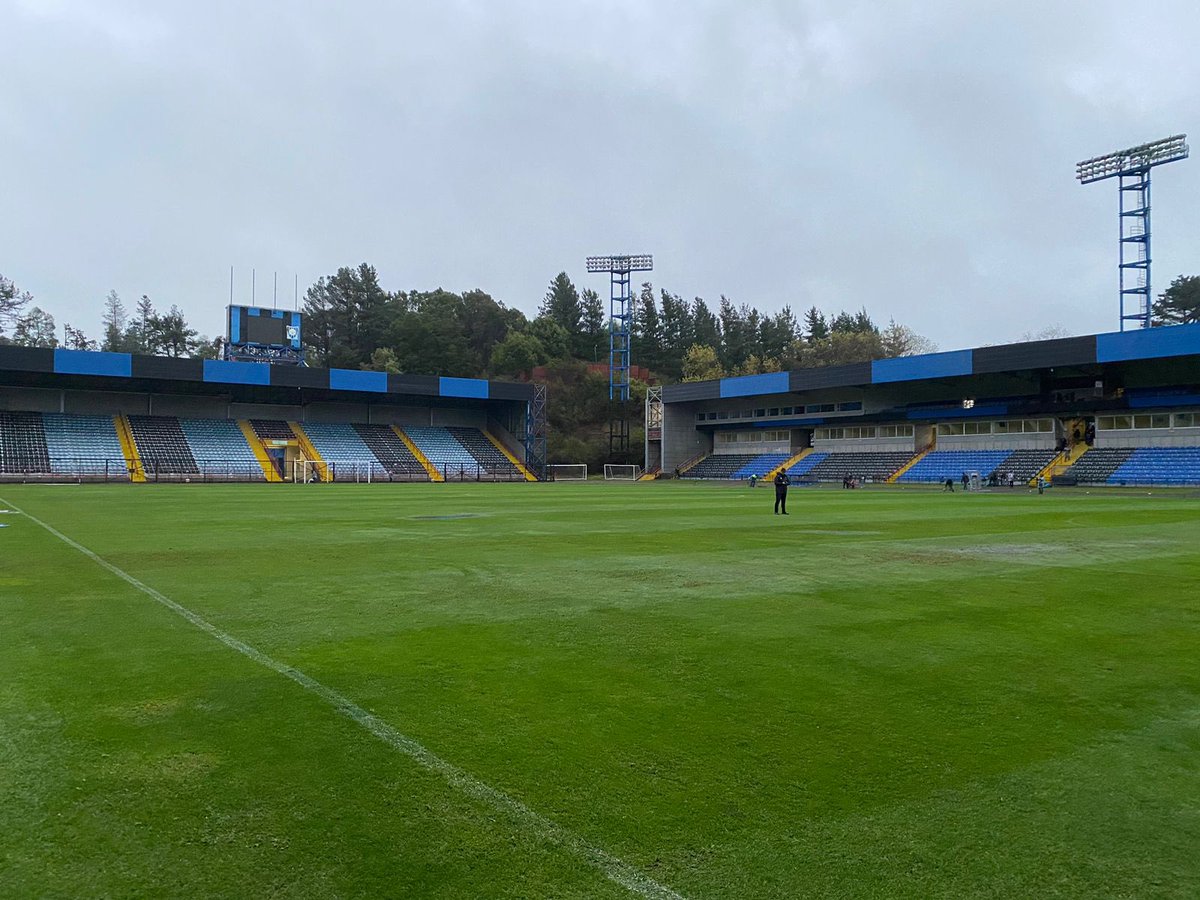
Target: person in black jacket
[(781, 485)]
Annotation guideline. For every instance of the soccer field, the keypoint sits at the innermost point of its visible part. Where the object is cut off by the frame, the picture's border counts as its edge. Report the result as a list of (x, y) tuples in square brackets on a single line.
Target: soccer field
[(597, 690)]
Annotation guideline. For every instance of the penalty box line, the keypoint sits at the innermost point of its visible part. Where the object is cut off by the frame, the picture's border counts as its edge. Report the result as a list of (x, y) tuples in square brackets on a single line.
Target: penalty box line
[(611, 867)]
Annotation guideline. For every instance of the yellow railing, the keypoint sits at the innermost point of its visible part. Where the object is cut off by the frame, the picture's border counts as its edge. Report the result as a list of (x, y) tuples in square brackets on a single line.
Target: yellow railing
[(133, 459), (512, 459), (260, 452), (434, 474)]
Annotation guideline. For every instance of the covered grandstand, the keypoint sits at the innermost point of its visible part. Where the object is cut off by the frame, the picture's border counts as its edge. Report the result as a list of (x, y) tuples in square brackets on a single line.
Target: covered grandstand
[(83, 415), (1118, 408)]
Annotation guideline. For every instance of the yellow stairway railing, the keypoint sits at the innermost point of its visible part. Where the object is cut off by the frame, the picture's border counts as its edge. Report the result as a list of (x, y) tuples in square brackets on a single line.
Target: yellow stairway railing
[(512, 459), (787, 465), (309, 452), (891, 479), (133, 461), (260, 452), (434, 474)]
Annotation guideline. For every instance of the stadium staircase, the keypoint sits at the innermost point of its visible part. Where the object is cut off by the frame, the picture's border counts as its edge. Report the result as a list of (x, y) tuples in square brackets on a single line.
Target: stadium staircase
[(430, 468), (789, 463), (23, 444), (895, 476), (443, 450), (129, 449), (691, 463), (258, 448)]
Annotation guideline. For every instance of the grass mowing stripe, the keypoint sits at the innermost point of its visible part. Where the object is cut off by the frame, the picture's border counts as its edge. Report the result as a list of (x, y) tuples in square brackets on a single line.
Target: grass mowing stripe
[(612, 868)]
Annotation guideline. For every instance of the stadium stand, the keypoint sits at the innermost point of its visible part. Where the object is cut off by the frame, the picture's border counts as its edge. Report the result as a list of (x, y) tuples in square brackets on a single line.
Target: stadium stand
[(720, 465), (1095, 466), (483, 450), (873, 466), (391, 452), (1024, 464), (1157, 465), (806, 465), (761, 465), (219, 448), (22, 444), (442, 449), (83, 445), (341, 447), (942, 464), (272, 429), (162, 446)]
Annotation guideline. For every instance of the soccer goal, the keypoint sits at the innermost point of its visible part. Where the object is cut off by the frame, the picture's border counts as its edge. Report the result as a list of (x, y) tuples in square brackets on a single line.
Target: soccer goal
[(568, 471), (310, 471), (614, 472)]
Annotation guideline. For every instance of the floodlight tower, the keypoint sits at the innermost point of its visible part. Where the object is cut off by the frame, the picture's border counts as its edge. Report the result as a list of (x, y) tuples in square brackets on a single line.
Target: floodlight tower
[(620, 311), (1132, 168)]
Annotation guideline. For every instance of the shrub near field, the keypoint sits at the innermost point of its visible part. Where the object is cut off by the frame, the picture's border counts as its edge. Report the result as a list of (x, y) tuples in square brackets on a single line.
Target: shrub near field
[(888, 693)]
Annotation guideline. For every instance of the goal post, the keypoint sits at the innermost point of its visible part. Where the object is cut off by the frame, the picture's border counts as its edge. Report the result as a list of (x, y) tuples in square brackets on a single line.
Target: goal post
[(310, 471), (568, 471), (615, 472)]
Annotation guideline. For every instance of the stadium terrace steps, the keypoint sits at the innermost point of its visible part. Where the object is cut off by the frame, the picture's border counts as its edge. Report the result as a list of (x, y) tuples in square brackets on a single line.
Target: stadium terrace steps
[(162, 446), (84, 445), (340, 445), (720, 465), (791, 462), (443, 450), (1097, 464), (877, 466), (220, 449), (391, 452), (23, 446), (485, 452), (430, 468), (920, 455), (1025, 465), (761, 465), (939, 465), (1159, 465)]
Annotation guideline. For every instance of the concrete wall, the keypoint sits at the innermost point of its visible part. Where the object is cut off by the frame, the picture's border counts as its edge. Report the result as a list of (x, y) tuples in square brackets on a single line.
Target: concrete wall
[(21, 399), (866, 445), (680, 438), (1038, 441), (102, 403), (1149, 437), (468, 418)]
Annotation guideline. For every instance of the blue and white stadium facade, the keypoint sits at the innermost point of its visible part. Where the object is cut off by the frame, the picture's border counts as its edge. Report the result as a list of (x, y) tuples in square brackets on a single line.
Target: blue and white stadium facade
[(1134, 395)]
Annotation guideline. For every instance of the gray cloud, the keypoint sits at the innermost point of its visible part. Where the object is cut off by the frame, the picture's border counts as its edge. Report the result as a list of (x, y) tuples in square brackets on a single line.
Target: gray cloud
[(918, 161)]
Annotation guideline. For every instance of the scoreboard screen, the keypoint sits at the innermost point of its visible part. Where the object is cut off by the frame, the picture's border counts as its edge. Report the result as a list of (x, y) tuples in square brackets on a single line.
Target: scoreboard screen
[(264, 330), (264, 327)]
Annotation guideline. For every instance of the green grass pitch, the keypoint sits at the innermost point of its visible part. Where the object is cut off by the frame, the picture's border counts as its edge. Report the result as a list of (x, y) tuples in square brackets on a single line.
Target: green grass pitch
[(886, 694)]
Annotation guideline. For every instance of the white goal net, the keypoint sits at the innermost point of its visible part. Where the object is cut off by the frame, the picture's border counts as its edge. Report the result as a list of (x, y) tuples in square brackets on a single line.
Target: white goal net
[(614, 472), (568, 471)]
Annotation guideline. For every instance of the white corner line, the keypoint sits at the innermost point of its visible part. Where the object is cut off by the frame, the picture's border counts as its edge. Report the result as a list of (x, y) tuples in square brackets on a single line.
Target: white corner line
[(611, 867)]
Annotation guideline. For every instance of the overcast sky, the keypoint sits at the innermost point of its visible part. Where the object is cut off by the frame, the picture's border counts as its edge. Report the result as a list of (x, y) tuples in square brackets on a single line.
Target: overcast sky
[(915, 158)]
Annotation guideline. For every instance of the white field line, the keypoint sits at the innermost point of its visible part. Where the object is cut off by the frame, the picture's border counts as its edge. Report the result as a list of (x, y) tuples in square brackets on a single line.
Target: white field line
[(612, 868)]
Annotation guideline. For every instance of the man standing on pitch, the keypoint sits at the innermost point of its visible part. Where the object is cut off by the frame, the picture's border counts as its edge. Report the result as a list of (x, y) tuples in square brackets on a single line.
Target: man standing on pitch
[(781, 485)]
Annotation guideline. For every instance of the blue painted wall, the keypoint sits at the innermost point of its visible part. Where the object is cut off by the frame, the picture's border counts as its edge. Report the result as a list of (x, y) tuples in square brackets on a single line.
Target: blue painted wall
[(474, 388), (358, 380), (89, 362), (915, 368), (751, 385), (1148, 343), (225, 372)]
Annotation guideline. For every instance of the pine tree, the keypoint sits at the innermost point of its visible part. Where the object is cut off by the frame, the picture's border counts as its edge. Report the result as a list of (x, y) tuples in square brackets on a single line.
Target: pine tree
[(815, 326), (593, 325)]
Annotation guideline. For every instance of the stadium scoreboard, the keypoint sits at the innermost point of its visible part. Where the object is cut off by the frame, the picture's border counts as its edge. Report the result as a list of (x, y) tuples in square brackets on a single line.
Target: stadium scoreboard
[(269, 328)]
